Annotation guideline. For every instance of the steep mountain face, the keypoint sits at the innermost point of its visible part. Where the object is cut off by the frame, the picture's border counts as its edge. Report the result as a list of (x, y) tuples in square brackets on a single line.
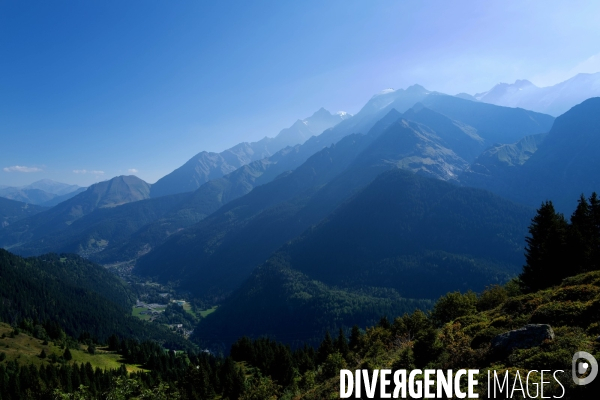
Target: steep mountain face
[(44, 192), (553, 100), (563, 167), (12, 211), (207, 166), (111, 193), (402, 237)]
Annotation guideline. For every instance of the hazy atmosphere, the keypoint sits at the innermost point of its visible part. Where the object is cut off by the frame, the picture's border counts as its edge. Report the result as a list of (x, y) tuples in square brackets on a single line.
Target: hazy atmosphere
[(91, 90)]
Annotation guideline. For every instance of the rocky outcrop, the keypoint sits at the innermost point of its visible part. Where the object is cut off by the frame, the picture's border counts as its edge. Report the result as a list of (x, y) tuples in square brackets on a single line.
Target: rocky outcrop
[(523, 338)]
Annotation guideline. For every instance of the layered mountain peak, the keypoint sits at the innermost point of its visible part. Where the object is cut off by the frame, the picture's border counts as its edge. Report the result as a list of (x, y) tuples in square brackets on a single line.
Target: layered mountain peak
[(205, 166)]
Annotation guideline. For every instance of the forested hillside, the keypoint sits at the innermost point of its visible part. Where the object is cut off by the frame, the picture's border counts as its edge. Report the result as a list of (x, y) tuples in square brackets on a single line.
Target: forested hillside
[(402, 237), (74, 294)]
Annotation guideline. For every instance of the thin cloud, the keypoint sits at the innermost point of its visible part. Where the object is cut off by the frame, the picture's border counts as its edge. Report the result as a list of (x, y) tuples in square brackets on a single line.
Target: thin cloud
[(132, 171), (85, 171), (21, 168)]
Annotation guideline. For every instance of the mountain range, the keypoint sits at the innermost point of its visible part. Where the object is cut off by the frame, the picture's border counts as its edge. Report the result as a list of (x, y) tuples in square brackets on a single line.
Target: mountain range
[(554, 100), (379, 213), (206, 166), (44, 192), (215, 255), (440, 149), (558, 166)]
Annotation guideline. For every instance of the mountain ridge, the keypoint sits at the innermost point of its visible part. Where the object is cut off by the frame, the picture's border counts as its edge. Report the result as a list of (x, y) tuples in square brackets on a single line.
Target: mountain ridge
[(206, 166)]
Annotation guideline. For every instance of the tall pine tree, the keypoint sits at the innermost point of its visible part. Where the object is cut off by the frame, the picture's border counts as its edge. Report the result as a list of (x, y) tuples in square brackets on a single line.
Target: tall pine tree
[(546, 251)]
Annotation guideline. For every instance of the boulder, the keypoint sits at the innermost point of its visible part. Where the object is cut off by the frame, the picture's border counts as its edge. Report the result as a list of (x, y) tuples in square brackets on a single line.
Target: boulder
[(523, 338)]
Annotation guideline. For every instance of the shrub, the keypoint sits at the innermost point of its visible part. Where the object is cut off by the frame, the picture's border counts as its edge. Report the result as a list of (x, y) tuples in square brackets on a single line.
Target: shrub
[(454, 305), (492, 297)]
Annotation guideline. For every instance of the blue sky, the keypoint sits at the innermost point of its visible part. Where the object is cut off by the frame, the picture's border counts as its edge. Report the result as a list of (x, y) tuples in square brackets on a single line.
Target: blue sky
[(94, 89)]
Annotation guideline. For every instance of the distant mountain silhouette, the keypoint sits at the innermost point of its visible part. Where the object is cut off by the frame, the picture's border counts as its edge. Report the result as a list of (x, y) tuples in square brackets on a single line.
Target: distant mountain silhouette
[(206, 166), (553, 100), (44, 192)]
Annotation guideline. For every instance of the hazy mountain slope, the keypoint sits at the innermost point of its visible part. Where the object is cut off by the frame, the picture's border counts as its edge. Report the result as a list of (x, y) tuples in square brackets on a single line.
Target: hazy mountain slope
[(93, 232), (206, 166), (401, 216), (564, 165), (554, 100), (63, 197), (11, 211), (43, 192), (492, 167), (461, 138), (111, 193), (403, 236), (214, 255), (493, 123), (31, 196)]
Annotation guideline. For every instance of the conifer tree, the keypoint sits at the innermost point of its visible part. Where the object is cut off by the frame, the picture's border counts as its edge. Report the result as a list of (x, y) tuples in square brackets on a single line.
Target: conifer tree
[(67, 355), (341, 344), (546, 251), (580, 237), (354, 337), (326, 348), (595, 229)]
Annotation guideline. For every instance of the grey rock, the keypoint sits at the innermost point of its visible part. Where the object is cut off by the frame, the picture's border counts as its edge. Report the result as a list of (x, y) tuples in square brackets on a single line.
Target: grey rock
[(524, 338)]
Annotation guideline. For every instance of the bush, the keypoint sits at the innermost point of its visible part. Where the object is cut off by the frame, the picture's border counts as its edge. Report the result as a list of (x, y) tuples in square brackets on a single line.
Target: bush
[(492, 297), (454, 305)]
